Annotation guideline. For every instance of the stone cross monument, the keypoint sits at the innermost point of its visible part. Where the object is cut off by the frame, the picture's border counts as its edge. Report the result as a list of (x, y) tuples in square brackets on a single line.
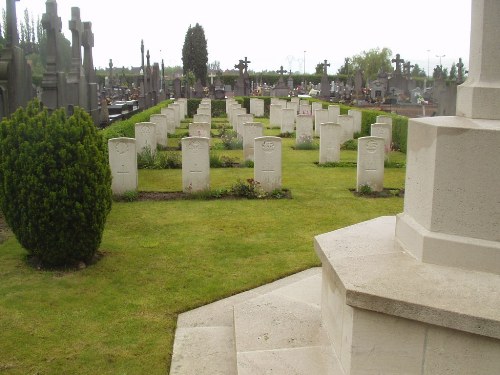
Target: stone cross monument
[(325, 85), (76, 90), (419, 293)]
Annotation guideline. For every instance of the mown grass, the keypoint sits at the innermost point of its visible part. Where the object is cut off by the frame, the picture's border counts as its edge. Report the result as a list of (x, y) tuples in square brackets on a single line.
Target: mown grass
[(161, 258)]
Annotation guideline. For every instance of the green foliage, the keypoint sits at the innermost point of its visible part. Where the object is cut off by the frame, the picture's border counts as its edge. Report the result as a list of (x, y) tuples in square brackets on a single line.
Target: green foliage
[(372, 61), (126, 128), (306, 143), (195, 54), (158, 160), (350, 144), (56, 183), (128, 196), (365, 190), (250, 189), (222, 161), (229, 140)]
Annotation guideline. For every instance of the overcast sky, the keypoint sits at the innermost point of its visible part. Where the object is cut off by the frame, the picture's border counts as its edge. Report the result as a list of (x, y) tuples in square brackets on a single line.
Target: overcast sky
[(272, 33)]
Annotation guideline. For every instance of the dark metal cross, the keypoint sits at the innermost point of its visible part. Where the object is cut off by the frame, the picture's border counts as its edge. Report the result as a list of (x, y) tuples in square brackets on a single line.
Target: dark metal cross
[(398, 60), (281, 71)]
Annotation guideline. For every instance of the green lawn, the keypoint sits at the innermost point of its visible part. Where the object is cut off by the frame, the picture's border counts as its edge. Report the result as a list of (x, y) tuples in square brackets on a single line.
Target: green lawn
[(162, 258)]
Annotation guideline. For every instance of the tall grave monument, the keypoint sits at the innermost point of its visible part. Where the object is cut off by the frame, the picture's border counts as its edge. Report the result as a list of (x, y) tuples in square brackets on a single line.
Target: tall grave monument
[(281, 88), (15, 74), (242, 84), (420, 293), (54, 80), (325, 85)]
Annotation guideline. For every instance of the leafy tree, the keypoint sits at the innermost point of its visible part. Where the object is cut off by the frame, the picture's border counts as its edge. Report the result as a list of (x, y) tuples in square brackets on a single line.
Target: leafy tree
[(372, 61), (440, 72), (417, 71), (194, 53), (347, 68), (319, 68), (55, 183), (453, 72)]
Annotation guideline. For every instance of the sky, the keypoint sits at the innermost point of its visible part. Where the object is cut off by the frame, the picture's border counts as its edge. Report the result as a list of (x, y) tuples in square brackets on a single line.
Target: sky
[(295, 34)]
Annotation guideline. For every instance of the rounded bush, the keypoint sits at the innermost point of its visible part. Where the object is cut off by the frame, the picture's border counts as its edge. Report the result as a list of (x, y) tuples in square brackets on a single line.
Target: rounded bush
[(55, 180)]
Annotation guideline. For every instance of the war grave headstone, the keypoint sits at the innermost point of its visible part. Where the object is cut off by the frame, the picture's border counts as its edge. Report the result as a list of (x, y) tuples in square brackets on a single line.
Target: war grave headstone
[(204, 110), (123, 164), (229, 103), (199, 129), (257, 107), (275, 115), (347, 124), (251, 130), (231, 113), (320, 116), (177, 110), (382, 130), (303, 102), (304, 129), (333, 113), (267, 159), (370, 169), (202, 118), (294, 105), (184, 110), (356, 118), (145, 137), (170, 113), (305, 109), (386, 120), (234, 117), (315, 106), (161, 128), (240, 121), (195, 164), (288, 120), (329, 142)]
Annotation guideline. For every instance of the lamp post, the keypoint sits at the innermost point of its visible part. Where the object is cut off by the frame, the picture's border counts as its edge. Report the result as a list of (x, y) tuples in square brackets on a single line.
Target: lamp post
[(440, 56), (305, 64), (428, 72)]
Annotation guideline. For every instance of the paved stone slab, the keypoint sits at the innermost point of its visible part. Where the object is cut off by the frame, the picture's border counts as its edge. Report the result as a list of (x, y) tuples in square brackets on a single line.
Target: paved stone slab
[(203, 350), (317, 360)]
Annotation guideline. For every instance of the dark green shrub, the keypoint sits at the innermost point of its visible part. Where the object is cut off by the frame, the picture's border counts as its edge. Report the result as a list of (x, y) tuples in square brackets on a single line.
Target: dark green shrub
[(350, 144), (55, 187)]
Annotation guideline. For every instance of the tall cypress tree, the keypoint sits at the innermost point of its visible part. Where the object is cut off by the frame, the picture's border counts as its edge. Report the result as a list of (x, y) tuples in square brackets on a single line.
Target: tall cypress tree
[(195, 54)]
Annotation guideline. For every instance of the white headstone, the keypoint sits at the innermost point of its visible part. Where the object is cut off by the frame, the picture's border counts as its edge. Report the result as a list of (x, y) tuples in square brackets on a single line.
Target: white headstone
[(370, 170), (304, 132), (183, 108), (357, 119), (195, 164), (232, 108), (347, 124), (199, 129), (251, 130), (145, 137), (315, 106), (229, 103), (257, 107), (288, 120), (240, 120), (275, 115), (204, 111), (123, 164), (267, 159), (170, 113), (329, 142), (178, 114), (333, 113), (305, 109), (202, 118), (382, 130), (320, 117), (234, 118), (161, 128), (386, 120), (294, 105)]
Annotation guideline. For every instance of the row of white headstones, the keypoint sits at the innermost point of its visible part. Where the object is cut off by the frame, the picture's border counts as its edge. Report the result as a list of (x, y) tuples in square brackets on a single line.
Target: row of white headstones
[(265, 152)]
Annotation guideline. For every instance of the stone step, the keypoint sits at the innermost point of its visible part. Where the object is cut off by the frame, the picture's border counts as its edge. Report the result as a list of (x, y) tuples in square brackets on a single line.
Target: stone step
[(205, 339), (280, 332)]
